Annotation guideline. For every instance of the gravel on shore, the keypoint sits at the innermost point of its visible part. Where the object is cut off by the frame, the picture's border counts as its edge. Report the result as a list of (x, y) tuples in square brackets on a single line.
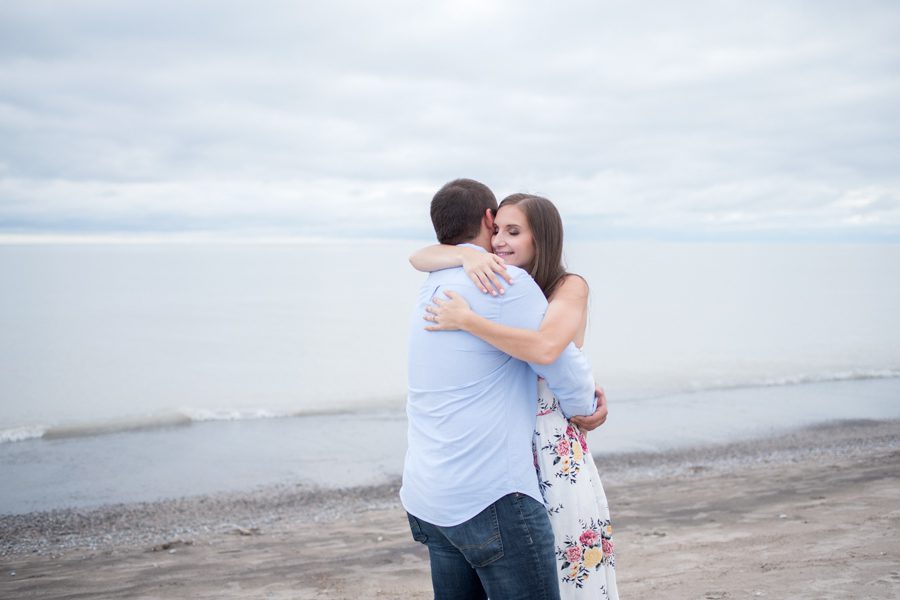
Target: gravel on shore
[(156, 525)]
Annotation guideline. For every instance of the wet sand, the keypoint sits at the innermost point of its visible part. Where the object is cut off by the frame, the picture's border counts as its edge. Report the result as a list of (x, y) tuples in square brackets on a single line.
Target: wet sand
[(808, 515)]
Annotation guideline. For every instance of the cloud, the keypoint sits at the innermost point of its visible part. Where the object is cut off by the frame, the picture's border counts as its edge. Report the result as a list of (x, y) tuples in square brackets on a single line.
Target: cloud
[(343, 118)]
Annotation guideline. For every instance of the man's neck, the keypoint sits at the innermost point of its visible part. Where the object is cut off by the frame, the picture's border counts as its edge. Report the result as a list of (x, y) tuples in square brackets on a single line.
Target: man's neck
[(483, 242)]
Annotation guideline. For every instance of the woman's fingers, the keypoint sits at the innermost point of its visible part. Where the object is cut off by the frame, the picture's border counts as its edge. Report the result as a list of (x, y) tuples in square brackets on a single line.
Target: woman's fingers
[(431, 314), (432, 318), (490, 282), (496, 266), (499, 267), (496, 282), (478, 283), (487, 282), (447, 313), (483, 283), (485, 271)]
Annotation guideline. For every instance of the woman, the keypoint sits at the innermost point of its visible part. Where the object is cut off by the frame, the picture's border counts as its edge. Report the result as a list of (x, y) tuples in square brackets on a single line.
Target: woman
[(528, 233)]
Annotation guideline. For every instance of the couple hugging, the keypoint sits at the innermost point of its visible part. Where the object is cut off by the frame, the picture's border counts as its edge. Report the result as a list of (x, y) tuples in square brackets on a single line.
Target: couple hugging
[(498, 389)]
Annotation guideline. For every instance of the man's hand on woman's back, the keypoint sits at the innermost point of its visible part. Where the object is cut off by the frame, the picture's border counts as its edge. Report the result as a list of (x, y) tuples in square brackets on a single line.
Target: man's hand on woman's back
[(597, 419)]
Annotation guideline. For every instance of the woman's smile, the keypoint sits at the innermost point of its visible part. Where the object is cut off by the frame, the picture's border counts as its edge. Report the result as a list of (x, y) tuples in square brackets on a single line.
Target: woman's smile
[(512, 240)]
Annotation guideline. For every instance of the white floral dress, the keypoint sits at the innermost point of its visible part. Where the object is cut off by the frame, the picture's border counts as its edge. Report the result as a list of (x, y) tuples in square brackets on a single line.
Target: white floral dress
[(577, 505)]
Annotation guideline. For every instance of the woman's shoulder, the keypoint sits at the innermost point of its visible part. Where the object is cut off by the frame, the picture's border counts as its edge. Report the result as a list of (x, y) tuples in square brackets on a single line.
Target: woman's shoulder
[(571, 288), (573, 283)]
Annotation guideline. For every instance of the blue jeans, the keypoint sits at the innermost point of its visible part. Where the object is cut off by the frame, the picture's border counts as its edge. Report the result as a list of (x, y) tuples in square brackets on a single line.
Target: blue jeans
[(505, 551)]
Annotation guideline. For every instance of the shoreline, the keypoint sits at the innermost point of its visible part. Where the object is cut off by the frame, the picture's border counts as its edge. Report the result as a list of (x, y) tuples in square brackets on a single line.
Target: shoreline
[(223, 457), (807, 514)]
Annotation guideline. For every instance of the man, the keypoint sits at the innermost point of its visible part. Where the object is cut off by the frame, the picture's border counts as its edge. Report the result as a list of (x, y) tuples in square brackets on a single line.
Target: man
[(469, 482)]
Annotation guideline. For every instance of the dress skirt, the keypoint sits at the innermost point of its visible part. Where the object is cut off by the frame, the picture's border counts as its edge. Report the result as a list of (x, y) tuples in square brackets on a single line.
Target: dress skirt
[(576, 503)]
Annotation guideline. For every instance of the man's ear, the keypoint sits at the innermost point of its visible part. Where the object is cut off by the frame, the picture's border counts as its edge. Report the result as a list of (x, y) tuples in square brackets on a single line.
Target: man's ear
[(489, 219)]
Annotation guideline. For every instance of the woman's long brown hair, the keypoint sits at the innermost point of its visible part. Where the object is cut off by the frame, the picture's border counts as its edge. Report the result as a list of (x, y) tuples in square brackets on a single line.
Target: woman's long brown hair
[(546, 267)]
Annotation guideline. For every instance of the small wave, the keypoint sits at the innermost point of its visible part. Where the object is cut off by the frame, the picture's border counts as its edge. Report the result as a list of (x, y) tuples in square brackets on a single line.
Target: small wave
[(201, 415), (20, 434), (662, 391), (178, 418), (117, 426), (714, 385), (804, 378)]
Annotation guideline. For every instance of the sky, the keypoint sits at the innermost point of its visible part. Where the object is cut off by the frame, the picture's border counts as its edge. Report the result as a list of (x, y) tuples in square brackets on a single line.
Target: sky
[(767, 120)]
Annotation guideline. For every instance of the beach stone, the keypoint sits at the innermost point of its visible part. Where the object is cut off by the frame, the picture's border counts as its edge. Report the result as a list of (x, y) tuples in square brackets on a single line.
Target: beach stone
[(171, 545), (245, 531)]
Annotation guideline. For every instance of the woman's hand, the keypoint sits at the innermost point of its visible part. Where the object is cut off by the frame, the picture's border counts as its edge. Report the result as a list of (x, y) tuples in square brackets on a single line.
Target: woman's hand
[(483, 268), (448, 315)]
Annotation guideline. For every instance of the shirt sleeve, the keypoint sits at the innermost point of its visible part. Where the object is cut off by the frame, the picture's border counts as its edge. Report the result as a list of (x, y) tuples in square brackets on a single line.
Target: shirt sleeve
[(571, 381), (569, 377)]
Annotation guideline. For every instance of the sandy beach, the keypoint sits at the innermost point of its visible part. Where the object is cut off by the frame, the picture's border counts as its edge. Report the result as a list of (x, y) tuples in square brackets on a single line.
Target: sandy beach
[(808, 515)]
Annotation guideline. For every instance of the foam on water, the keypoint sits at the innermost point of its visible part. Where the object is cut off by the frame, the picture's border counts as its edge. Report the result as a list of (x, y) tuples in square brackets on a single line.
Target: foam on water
[(799, 379), (20, 434)]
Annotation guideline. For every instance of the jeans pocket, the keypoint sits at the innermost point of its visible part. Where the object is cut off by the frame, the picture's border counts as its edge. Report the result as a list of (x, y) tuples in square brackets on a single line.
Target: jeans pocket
[(416, 529), (478, 539)]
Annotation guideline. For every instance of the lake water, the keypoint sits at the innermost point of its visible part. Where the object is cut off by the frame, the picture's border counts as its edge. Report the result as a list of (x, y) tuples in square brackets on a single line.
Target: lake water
[(170, 350)]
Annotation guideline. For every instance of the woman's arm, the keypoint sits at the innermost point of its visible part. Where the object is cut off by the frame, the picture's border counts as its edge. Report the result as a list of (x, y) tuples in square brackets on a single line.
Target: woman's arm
[(562, 323), (482, 267)]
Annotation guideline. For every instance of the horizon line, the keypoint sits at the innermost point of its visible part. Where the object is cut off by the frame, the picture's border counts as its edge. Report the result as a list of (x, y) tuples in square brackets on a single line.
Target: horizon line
[(233, 238)]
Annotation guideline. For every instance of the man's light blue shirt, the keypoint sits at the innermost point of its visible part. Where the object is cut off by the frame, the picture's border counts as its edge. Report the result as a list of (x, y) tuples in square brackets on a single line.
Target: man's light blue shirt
[(472, 408)]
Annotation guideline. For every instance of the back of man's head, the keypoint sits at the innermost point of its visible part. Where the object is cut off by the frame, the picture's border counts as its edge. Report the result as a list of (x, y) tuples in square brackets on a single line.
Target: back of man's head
[(457, 210)]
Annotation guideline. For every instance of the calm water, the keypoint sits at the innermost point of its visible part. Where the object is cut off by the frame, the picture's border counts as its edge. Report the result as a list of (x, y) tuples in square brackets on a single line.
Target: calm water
[(113, 337)]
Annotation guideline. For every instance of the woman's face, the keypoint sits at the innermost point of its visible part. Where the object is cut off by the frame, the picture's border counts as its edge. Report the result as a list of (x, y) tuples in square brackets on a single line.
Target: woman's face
[(512, 239)]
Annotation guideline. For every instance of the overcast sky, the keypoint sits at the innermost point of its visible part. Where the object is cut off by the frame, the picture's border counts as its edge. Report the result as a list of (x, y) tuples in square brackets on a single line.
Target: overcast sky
[(660, 120)]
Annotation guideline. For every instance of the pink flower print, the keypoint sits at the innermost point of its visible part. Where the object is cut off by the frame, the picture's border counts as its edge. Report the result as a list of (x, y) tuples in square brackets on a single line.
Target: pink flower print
[(562, 447), (570, 431), (607, 547), (589, 538), (573, 554), (583, 442)]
